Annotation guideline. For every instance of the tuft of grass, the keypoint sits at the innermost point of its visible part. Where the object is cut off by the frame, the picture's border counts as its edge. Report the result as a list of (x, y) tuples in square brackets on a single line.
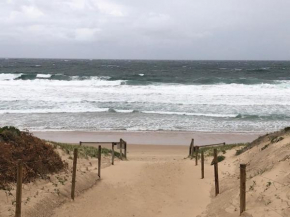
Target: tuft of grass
[(266, 146), (277, 139), (83, 151), (220, 158), (244, 147), (240, 151)]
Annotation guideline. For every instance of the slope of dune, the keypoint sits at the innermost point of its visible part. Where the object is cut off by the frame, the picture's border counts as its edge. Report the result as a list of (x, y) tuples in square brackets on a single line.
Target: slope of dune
[(268, 179)]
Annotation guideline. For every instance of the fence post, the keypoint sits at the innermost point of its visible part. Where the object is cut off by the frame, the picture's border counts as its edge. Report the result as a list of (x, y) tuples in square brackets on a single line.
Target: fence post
[(80, 143), (196, 155), (192, 148), (242, 188), (125, 154), (19, 189), (121, 153), (73, 186), (113, 152), (202, 164), (216, 173), (99, 160)]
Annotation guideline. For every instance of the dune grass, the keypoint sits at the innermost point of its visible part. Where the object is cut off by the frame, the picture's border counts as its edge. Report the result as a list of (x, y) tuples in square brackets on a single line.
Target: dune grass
[(208, 151), (221, 150), (83, 151)]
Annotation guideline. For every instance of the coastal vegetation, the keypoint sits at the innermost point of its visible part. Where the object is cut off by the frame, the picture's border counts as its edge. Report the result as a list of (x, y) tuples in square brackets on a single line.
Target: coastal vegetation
[(39, 158), (208, 151), (83, 151)]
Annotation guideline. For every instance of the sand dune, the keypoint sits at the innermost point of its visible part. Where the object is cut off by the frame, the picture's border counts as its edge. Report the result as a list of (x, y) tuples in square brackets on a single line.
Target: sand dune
[(268, 180), (160, 181)]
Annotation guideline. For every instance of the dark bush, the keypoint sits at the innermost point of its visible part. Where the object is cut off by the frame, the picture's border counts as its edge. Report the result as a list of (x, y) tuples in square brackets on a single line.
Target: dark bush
[(220, 158), (39, 158)]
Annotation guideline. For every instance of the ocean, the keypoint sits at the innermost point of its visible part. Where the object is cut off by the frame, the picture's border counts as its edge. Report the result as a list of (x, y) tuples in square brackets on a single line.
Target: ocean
[(142, 95)]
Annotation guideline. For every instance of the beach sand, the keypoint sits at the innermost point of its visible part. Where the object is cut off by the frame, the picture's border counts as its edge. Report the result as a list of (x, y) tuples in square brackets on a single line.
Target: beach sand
[(160, 181), (148, 137), (155, 181)]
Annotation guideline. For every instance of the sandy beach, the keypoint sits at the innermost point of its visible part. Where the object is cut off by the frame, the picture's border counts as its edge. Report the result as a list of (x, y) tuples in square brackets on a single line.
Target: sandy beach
[(161, 181), (155, 181), (147, 137)]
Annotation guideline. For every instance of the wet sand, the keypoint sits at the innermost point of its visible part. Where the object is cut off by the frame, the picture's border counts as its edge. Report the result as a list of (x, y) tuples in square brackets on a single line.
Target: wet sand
[(148, 138)]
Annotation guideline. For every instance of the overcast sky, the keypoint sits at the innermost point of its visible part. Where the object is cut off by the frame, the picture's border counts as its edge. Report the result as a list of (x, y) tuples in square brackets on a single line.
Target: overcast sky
[(145, 29)]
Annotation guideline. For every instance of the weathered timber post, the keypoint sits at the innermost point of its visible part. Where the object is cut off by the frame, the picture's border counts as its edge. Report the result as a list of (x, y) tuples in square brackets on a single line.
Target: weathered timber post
[(99, 160), (19, 189), (113, 152), (121, 153), (216, 174), (73, 186), (196, 155), (242, 188), (202, 164), (80, 143), (125, 150), (192, 148)]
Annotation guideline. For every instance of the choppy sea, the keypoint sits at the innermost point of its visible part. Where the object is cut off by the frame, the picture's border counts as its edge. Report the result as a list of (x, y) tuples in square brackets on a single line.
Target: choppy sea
[(138, 95)]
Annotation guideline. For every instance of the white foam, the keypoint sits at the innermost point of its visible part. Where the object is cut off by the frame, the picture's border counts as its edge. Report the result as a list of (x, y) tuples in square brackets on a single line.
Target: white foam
[(69, 96), (96, 89), (189, 114), (4, 76), (43, 75), (55, 110), (123, 111)]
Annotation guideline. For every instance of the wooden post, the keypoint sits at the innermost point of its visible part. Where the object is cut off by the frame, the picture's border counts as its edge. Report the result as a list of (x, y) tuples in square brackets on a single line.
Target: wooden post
[(125, 150), (196, 155), (216, 173), (192, 148), (19, 189), (202, 164), (242, 188), (99, 160), (113, 152), (73, 186), (80, 143), (121, 154)]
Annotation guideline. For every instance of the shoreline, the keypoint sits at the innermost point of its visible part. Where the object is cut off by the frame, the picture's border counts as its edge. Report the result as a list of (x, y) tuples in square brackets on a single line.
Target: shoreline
[(148, 137)]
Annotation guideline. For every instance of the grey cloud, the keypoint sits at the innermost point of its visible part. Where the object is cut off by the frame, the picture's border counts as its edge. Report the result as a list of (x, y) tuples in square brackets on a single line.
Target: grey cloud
[(162, 29)]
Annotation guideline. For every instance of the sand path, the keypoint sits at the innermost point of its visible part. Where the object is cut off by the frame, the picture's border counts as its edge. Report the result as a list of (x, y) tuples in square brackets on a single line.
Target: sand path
[(149, 184)]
